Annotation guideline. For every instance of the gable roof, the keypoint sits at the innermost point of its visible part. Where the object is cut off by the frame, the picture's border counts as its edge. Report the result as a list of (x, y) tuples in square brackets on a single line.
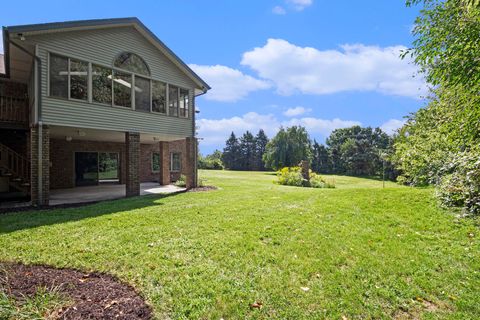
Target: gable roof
[(2, 64), (32, 29)]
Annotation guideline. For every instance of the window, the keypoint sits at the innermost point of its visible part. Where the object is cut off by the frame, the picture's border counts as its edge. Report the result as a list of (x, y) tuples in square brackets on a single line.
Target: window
[(58, 76), (131, 62), (173, 101), (175, 162), (122, 89), (101, 84), (78, 79), (155, 162), (183, 103), (159, 96), (142, 94)]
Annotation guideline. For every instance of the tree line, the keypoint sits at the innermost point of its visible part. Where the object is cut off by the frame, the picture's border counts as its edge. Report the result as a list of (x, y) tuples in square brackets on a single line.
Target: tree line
[(354, 151)]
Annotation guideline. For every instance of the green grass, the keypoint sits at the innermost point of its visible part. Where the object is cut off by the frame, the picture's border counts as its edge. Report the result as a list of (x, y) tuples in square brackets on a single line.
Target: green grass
[(363, 251)]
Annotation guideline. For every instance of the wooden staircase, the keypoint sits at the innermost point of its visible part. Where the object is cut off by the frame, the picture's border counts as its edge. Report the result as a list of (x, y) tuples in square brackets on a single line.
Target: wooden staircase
[(16, 168)]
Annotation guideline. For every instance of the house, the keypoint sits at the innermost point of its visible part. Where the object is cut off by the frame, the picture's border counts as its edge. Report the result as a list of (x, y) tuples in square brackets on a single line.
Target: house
[(93, 102)]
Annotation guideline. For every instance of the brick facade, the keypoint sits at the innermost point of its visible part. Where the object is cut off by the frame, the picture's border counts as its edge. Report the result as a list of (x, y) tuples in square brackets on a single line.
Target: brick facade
[(40, 194), (132, 157)]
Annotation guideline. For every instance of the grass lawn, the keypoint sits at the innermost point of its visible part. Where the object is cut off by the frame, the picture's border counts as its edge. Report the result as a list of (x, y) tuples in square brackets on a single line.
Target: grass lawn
[(362, 251)]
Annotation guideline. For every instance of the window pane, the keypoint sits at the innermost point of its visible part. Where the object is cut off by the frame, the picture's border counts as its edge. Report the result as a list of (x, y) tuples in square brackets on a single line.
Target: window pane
[(142, 94), (101, 84), (159, 94), (131, 62), (58, 76), (176, 162), (173, 101), (108, 166), (183, 103), (122, 89), (155, 161), (78, 79)]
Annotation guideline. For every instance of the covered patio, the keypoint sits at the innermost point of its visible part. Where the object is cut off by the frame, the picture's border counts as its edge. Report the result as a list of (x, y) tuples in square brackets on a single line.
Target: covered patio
[(106, 192)]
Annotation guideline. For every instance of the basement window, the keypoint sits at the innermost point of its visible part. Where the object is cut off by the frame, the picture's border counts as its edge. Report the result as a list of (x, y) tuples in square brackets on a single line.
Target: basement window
[(175, 162), (155, 162)]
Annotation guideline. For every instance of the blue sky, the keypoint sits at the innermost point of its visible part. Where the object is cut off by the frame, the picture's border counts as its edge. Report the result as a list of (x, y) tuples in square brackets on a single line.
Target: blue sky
[(321, 64)]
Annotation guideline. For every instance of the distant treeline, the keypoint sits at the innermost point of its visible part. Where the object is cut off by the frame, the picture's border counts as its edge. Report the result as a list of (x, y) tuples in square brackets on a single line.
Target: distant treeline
[(353, 151)]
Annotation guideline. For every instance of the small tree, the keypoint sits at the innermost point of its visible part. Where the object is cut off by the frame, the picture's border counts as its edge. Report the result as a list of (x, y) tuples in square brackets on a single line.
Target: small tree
[(231, 153)]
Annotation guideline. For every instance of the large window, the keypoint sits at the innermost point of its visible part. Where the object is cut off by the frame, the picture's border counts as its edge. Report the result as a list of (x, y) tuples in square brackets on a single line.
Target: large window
[(130, 87), (159, 97), (122, 89), (175, 161), (78, 80), (155, 162), (142, 94), (173, 101), (58, 76), (131, 62), (101, 84), (183, 103)]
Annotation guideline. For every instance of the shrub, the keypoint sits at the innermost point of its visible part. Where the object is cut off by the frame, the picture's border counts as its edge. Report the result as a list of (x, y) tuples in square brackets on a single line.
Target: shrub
[(317, 181), (460, 184), (182, 181), (290, 176)]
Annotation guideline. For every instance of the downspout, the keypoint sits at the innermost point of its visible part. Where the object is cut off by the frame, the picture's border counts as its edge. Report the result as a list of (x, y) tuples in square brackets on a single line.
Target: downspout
[(38, 100), (195, 155)]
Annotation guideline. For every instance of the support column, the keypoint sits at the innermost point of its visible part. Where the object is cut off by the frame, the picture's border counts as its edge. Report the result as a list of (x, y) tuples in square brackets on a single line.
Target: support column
[(164, 163), (40, 165), (132, 159), (191, 168)]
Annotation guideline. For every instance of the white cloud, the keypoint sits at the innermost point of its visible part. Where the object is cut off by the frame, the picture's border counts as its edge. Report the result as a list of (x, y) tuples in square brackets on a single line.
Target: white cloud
[(300, 4), (228, 85), (392, 125), (297, 111), (279, 10), (352, 68), (215, 132)]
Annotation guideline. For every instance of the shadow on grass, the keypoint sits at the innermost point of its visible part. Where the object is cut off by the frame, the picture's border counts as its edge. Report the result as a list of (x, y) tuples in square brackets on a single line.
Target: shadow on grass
[(14, 221)]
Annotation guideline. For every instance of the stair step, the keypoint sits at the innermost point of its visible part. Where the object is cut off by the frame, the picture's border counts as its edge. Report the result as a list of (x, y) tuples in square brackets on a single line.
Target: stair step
[(17, 180), (6, 174)]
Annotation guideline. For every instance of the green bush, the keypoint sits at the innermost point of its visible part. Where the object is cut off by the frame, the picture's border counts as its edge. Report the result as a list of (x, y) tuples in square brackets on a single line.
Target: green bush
[(460, 184), (182, 181), (292, 176)]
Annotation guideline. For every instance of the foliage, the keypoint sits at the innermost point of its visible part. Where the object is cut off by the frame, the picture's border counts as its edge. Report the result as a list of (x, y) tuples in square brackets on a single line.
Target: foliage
[(209, 255), (245, 153), (290, 176), (288, 148), (439, 143), (317, 181), (358, 151), (211, 162), (182, 181), (320, 158)]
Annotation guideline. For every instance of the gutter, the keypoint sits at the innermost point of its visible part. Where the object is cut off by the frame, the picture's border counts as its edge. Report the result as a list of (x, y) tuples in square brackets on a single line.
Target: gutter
[(38, 99)]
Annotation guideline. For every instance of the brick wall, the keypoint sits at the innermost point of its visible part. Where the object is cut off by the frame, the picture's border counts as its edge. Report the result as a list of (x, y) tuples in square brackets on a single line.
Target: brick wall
[(132, 156), (40, 197), (146, 172)]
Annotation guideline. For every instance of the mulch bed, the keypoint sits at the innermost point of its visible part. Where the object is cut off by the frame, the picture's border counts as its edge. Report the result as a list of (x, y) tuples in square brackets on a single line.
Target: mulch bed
[(200, 189), (94, 295)]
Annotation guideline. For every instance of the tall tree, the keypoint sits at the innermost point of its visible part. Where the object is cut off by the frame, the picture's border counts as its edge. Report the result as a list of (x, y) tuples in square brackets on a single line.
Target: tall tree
[(288, 148), (231, 153), (247, 151), (261, 141), (320, 158)]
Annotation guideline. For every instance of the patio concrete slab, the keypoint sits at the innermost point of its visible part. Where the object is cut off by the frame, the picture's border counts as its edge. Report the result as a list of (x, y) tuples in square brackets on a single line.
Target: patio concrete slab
[(105, 192)]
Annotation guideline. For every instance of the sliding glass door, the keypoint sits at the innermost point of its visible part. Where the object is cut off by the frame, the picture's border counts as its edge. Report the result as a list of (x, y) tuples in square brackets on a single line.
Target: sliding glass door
[(92, 168)]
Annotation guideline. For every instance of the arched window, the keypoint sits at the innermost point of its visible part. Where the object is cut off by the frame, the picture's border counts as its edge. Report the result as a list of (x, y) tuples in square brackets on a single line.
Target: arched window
[(131, 62)]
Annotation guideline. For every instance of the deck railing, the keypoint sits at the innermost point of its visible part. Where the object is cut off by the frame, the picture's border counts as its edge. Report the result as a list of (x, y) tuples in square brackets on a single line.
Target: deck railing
[(13, 109), (15, 163)]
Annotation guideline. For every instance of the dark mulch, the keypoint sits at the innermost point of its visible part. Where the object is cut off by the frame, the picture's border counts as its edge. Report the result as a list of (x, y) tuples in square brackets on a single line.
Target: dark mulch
[(200, 189), (94, 295)]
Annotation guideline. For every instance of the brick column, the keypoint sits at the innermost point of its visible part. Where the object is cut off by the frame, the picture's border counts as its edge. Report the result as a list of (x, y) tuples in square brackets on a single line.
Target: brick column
[(164, 163), (40, 168), (132, 161), (190, 169)]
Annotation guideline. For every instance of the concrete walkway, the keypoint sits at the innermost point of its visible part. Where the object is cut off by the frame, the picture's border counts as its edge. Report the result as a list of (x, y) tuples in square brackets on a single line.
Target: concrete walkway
[(105, 192)]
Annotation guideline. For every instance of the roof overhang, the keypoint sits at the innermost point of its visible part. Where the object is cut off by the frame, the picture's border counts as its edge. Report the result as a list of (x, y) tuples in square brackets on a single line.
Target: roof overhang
[(14, 32)]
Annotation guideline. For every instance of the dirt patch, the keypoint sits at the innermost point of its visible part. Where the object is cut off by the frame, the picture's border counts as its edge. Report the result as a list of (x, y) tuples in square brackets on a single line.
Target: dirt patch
[(94, 295), (201, 189)]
